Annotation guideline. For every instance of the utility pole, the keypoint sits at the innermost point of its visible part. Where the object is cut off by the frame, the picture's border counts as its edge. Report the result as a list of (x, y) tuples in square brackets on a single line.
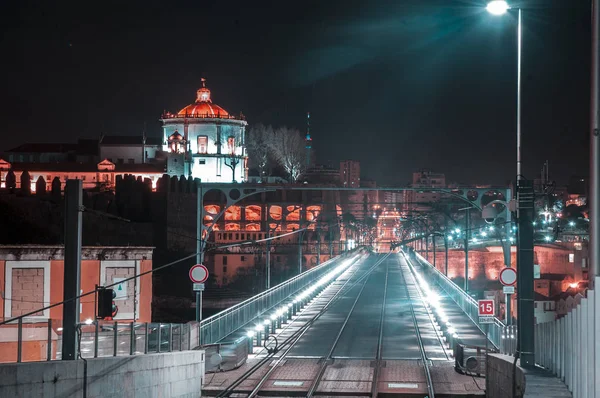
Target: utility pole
[(318, 245), (300, 238), (467, 233), (594, 246), (72, 272), (526, 320), (268, 262)]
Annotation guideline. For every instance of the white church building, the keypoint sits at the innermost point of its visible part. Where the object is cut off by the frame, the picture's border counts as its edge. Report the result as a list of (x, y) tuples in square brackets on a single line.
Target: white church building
[(204, 141)]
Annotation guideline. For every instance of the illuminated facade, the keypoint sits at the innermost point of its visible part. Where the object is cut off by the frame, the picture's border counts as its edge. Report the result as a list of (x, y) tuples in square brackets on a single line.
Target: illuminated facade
[(204, 141)]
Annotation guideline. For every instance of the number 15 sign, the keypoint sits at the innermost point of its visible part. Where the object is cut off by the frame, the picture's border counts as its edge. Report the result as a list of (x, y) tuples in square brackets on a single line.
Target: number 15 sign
[(486, 311)]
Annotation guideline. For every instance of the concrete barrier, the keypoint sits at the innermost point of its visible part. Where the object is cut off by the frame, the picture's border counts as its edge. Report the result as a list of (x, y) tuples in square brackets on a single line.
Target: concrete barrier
[(499, 377), (175, 374)]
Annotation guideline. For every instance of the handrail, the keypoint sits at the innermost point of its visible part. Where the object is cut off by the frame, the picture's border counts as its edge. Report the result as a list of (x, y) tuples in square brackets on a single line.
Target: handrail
[(266, 292), (469, 304)]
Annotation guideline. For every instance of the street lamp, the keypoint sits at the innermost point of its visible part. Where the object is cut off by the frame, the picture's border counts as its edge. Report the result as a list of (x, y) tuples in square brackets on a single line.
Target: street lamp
[(500, 7)]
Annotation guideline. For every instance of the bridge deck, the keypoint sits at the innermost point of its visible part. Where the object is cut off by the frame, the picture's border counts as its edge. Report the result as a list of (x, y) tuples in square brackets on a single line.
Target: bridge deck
[(369, 311)]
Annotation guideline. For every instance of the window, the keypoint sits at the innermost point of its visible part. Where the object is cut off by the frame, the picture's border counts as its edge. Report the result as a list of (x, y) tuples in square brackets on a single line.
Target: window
[(237, 236), (243, 258), (120, 161), (201, 161), (571, 257), (219, 236), (82, 178), (243, 236), (253, 236), (224, 260), (224, 269), (231, 144), (131, 161), (202, 144)]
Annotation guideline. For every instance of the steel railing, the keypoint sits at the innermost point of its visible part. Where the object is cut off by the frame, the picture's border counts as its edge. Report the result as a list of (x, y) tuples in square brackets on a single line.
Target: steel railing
[(34, 339), (221, 325), (467, 303)]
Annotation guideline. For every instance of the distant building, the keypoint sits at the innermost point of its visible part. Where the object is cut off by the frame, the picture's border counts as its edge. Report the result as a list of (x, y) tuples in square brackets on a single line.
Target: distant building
[(204, 141), (321, 175), (129, 149), (350, 173), (419, 200)]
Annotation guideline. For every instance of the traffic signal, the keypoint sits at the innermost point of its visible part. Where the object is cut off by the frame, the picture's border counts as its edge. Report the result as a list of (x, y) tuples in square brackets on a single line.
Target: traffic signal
[(105, 302)]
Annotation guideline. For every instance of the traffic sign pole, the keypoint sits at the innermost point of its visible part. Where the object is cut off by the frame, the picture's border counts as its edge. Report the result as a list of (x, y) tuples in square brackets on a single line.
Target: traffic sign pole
[(198, 275)]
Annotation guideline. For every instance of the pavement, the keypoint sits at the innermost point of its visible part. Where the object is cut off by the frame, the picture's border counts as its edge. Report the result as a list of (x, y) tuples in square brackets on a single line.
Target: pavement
[(368, 310)]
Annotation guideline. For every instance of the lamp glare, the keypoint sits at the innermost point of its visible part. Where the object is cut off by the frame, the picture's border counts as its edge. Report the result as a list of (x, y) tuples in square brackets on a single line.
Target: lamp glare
[(497, 7)]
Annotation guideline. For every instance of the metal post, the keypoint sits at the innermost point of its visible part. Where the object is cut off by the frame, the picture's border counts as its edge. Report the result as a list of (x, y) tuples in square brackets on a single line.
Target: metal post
[(115, 338), (96, 339), (72, 272), (300, 238), (198, 306), (446, 249), (199, 217), (146, 338), (49, 346), (519, 41), (19, 339), (268, 258), (433, 242), (467, 233), (594, 246), (132, 339), (318, 246), (526, 320)]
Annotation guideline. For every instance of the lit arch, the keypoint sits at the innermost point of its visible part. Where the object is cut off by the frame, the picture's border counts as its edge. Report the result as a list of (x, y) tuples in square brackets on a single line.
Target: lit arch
[(231, 226), (212, 209), (253, 213), (233, 213), (253, 227), (275, 212), (312, 213), (293, 213), (293, 227)]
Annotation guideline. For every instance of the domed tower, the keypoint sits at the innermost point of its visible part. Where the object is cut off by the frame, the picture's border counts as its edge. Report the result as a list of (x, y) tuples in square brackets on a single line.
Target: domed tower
[(202, 138)]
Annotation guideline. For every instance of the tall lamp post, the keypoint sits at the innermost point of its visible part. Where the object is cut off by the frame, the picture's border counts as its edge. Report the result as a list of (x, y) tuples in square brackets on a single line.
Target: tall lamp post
[(525, 211)]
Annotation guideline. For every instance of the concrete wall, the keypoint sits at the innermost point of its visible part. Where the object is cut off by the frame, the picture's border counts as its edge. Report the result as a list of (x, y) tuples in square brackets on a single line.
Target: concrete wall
[(177, 374), (499, 377)]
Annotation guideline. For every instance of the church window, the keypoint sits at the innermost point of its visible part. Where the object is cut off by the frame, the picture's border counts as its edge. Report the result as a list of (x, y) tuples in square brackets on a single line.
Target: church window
[(202, 144), (231, 144)]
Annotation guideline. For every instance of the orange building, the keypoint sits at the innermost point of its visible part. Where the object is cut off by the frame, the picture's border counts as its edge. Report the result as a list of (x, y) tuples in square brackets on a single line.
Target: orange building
[(31, 277)]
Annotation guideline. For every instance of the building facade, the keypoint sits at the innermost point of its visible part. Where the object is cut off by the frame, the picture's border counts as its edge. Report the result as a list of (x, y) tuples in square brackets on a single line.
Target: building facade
[(204, 141), (350, 173)]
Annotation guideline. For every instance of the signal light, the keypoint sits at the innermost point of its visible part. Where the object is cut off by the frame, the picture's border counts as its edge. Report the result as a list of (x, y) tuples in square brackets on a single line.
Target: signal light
[(105, 302)]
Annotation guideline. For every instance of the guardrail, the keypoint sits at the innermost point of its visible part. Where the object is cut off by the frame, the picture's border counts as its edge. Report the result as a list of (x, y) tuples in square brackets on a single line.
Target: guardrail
[(221, 325), (467, 303), (568, 347), (33, 339)]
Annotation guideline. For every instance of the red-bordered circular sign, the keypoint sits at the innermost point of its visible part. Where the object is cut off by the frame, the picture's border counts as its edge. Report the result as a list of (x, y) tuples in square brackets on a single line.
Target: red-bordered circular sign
[(508, 276), (198, 273)]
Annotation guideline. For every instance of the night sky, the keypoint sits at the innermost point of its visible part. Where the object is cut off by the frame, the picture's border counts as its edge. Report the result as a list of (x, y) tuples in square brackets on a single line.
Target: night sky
[(399, 85)]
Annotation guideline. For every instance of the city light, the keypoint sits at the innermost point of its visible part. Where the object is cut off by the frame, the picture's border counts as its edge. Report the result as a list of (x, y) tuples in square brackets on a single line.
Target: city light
[(88, 321), (547, 238), (457, 231), (250, 334), (484, 234), (571, 223), (497, 7)]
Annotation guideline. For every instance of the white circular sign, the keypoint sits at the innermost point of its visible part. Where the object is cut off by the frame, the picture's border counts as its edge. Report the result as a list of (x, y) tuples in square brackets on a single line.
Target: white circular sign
[(198, 273), (508, 276)]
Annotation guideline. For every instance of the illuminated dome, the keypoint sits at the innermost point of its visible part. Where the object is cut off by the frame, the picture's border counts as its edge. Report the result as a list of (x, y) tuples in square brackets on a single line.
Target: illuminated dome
[(203, 107)]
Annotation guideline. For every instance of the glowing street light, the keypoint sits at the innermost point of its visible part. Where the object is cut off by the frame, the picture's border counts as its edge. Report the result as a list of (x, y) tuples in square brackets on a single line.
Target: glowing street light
[(497, 7)]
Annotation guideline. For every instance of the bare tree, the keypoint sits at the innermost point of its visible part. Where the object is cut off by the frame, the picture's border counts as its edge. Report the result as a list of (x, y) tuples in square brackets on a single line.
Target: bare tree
[(257, 143), (289, 150)]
